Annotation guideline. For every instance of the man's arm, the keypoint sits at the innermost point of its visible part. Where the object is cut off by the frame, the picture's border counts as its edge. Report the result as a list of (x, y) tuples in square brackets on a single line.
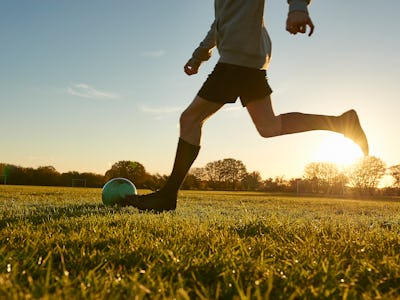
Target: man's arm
[(298, 17), (202, 53)]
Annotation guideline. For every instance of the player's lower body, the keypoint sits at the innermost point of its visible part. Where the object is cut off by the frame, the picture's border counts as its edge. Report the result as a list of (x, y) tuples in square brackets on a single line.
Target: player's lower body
[(225, 85)]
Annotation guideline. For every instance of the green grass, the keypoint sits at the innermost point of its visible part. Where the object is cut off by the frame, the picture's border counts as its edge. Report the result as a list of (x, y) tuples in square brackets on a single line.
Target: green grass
[(63, 243)]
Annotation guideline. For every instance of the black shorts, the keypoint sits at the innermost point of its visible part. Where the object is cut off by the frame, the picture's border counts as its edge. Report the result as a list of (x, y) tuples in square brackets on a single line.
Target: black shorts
[(228, 82)]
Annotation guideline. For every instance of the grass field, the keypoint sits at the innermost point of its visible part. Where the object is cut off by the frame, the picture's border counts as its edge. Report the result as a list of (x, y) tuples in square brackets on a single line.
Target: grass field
[(62, 243)]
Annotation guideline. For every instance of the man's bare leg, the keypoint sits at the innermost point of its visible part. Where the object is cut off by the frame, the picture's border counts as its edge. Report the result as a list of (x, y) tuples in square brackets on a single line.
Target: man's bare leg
[(191, 123), (193, 118), (269, 125)]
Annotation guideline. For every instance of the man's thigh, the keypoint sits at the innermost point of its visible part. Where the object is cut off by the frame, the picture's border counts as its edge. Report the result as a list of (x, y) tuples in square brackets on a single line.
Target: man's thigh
[(200, 109)]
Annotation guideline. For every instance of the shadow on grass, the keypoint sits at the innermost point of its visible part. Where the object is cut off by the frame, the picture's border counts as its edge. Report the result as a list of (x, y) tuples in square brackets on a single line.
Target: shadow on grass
[(39, 214)]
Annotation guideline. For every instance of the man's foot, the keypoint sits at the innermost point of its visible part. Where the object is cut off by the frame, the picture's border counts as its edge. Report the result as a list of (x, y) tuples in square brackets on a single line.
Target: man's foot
[(157, 202), (352, 130)]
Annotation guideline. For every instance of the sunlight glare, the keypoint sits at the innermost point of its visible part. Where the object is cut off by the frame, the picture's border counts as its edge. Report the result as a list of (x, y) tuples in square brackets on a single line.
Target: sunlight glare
[(339, 150)]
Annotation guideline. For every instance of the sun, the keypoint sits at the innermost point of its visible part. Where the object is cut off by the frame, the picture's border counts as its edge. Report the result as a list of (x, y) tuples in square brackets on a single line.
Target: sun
[(339, 150)]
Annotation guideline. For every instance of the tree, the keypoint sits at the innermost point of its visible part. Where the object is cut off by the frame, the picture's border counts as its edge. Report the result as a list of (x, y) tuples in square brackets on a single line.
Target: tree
[(199, 173), (252, 181), (394, 171), (131, 170), (233, 171), (366, 174), (46, 175), (225, 174), (155, 182), (212, 173), (191, 182), (325, 176), (270, 185), (4, 173)]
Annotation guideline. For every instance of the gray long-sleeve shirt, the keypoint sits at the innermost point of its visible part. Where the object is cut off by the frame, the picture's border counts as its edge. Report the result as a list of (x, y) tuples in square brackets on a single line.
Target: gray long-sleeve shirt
[(239, 33)]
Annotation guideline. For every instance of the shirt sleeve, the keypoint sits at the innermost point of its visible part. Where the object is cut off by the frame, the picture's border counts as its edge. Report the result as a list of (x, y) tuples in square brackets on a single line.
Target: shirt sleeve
[(204, 51), (298, 5)]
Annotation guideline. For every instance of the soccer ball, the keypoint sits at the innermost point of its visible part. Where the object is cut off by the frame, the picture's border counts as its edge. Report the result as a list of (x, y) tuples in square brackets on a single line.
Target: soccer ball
[(115, 190)]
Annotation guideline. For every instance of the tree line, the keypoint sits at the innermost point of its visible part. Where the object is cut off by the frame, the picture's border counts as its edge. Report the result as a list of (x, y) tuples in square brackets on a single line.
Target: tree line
[(363, 177), (226, 174)]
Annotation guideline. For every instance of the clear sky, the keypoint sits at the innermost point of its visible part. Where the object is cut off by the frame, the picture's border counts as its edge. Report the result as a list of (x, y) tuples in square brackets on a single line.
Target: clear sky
[(84, 84)]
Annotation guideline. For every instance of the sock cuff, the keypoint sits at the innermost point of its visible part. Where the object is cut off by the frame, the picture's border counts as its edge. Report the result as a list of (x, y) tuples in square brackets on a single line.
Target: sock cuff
[(183, 142)]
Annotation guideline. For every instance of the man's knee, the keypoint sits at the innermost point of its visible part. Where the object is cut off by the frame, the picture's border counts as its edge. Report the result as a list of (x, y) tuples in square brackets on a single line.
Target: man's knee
[(270, 129), (187, 120), (184, 119), (267, 132)]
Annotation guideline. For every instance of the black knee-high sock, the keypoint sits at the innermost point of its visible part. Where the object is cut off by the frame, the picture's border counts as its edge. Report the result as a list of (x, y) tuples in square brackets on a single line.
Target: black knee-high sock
[(298, 122), (186, 154)]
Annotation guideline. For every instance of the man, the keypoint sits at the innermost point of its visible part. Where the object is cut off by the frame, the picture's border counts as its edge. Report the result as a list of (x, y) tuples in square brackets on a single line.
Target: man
[(244, 46)]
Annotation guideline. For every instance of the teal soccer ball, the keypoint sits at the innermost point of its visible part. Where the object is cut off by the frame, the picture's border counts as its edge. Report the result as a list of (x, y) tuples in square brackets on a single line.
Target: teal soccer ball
[(115, 190)]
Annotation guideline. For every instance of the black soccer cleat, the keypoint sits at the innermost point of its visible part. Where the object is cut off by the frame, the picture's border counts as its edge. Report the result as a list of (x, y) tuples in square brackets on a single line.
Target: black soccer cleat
[(154, 202)]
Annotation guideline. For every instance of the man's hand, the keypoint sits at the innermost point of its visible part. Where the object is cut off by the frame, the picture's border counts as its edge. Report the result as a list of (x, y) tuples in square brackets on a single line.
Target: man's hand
[(190, 68), (297, 21)]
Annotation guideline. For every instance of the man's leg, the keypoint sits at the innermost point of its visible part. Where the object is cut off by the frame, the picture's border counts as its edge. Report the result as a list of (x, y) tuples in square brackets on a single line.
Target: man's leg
[(191, 123), (193, 118), (269, 125)]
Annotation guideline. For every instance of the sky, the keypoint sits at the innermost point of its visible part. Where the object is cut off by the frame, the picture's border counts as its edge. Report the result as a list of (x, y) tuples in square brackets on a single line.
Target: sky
[(84, 84)]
